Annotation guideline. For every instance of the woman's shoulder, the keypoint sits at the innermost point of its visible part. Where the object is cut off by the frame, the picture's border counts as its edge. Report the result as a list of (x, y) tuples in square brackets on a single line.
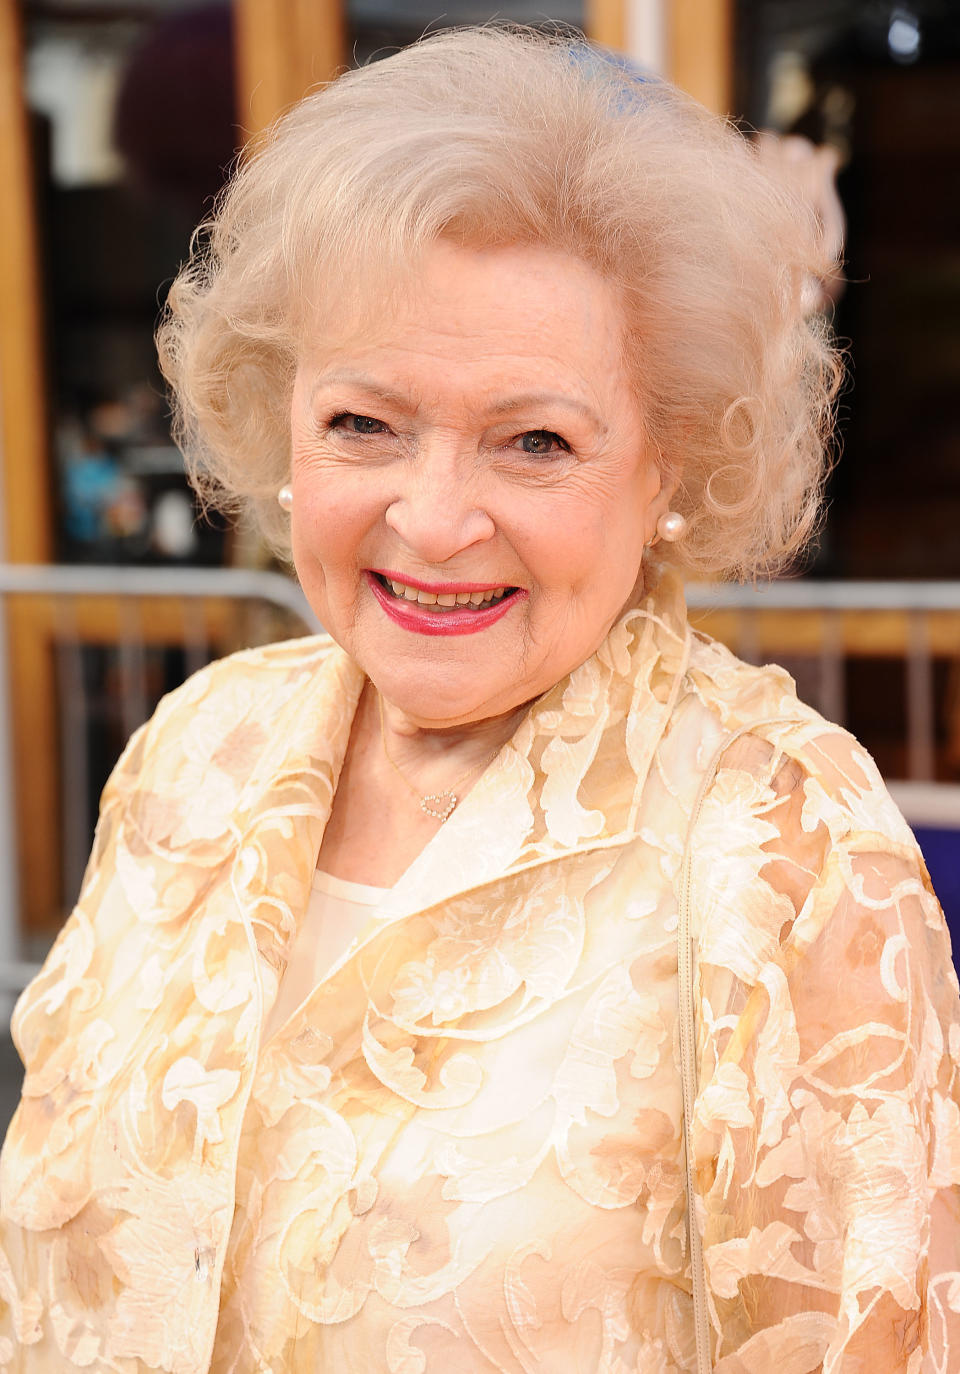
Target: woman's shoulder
[(803, 777), (239, 720), (266, 668), (793, 824), (739, 693), (263, 674)]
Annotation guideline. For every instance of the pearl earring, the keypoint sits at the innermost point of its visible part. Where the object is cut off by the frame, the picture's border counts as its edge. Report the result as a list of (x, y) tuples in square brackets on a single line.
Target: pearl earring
[(285, 498), (671, 526)]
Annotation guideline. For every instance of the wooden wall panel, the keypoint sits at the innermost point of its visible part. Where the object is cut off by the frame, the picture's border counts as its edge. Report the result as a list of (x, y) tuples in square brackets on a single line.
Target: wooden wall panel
[(700, 47), (606, 22), (27, 515), (699, 41), (27, 528), (283, 48)]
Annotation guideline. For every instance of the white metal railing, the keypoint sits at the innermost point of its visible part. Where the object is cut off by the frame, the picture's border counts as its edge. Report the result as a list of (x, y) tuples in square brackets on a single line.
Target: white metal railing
[(133, 588), (828, 596), (60, 579)]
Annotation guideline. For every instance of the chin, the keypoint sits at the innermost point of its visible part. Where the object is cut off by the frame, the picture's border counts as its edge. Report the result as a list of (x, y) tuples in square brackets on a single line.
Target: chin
[(438, 708), (434, 700)]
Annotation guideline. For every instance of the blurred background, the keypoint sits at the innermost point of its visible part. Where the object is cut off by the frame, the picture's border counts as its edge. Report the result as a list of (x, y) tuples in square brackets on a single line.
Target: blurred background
[(118, 122)]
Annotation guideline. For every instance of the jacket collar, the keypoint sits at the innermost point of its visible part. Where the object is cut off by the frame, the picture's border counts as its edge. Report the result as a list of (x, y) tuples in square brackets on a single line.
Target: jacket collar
[(570, 779)]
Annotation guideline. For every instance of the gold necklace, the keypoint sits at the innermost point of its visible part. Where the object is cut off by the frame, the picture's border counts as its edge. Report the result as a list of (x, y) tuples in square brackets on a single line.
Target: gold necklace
[(439, 805)]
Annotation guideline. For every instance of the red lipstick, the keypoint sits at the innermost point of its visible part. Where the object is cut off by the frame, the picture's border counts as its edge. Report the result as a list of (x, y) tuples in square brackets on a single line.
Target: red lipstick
[(456, 621)]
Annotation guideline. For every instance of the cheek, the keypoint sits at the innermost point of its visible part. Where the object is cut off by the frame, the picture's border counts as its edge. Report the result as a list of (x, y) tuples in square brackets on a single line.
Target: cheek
[(586, 547), (330, 519)]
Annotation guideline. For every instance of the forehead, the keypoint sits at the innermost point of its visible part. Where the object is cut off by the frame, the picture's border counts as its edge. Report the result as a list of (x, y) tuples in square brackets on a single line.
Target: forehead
[(453, 301)]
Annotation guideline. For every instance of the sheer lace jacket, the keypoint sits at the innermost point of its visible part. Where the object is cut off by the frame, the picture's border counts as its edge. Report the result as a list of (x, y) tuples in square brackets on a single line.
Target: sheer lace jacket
[(463, 1151)]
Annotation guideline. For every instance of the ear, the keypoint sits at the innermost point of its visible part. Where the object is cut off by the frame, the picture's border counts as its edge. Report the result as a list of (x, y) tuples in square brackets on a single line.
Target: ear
[(665, 483)]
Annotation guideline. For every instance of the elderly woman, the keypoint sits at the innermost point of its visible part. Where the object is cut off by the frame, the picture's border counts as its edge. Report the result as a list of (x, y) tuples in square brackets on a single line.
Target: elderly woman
[(512, 980)]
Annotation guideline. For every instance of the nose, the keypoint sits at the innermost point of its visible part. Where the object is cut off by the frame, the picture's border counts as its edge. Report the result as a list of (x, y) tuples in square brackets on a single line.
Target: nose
[(436, 511)]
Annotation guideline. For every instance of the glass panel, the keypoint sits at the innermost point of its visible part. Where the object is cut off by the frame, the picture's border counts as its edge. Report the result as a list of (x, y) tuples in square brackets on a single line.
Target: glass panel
[(879, 81), (132, 120)]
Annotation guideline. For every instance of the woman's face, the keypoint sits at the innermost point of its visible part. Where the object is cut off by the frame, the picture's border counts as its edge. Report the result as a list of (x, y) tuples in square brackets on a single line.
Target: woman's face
[(471, 494)]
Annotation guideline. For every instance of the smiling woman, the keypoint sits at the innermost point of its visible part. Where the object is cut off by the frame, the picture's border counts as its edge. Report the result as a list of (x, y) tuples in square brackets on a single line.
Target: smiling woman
[(508, 979)]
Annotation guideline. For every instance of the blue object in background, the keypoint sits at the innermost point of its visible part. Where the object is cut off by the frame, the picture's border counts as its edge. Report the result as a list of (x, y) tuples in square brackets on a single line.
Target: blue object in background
[(90, 484), (941, 850)]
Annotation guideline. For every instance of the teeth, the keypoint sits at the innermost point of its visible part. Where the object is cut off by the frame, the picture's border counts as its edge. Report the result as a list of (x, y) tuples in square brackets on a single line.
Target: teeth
[(445, 600)]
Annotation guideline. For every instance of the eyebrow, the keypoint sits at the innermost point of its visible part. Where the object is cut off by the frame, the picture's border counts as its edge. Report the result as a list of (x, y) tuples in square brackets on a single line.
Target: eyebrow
[(360, 379), (524, 401), (531, 399)]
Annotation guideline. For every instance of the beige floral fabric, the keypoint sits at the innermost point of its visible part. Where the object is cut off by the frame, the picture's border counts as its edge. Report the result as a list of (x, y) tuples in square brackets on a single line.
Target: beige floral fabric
[(463, 1151)]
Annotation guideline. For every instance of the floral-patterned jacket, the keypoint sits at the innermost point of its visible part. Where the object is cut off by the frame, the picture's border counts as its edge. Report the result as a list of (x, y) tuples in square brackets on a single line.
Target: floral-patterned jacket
[(464, 1152)]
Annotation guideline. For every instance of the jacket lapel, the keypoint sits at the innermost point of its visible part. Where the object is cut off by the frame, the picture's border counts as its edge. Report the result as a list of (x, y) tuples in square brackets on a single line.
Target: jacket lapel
[(569, 780)]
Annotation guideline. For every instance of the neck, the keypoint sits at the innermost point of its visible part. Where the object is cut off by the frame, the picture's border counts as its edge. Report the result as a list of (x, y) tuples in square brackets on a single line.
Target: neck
[(434, 756)]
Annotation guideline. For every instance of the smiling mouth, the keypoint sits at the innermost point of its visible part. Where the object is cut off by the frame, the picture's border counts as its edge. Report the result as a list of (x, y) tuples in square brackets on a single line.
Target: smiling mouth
[(442, 602)]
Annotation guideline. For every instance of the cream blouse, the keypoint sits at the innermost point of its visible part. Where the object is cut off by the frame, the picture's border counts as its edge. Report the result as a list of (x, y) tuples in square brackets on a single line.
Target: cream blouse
[(462, 1150), (336, 914)]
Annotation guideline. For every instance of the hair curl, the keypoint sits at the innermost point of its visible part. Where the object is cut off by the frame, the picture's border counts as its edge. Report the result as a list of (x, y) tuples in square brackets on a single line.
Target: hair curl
[(496, 136)]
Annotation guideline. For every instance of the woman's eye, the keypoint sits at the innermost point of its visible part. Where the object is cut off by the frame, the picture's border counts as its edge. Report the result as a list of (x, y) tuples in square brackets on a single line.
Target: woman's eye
[(358, 424), (543, 441)]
